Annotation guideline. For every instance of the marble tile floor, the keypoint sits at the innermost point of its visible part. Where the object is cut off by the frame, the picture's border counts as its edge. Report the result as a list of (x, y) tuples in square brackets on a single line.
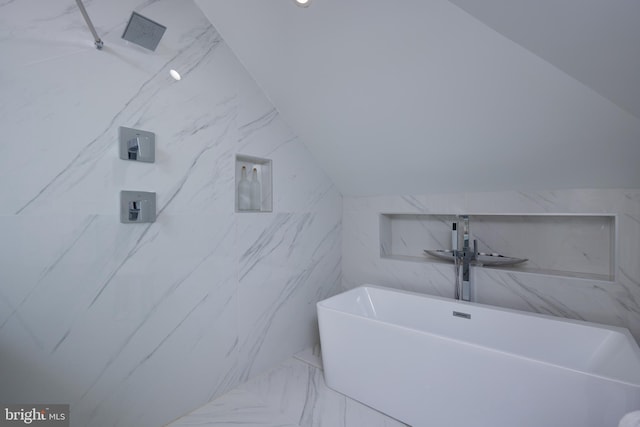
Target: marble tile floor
[(292, 395)]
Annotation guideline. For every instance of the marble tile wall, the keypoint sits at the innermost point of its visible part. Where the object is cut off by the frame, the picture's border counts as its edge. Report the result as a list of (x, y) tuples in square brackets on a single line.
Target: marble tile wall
[(136, 324), (614, 302)]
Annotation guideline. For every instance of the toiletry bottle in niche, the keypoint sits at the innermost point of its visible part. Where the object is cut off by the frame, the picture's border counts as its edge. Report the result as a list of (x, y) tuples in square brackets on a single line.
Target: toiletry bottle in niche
[(244, 190), (454, 237), (255, 191)]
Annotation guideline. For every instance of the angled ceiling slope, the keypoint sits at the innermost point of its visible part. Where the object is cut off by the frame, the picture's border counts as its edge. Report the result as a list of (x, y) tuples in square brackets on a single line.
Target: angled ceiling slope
[(595, 41), (431, 96)]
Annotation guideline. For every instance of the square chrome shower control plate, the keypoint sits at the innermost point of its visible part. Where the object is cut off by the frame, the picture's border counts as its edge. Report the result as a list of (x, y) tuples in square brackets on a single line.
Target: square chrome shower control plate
[(138, 145), (137, 207)]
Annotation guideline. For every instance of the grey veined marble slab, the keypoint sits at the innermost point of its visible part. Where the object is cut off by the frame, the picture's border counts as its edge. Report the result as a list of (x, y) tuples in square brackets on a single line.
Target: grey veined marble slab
[(292, 395)]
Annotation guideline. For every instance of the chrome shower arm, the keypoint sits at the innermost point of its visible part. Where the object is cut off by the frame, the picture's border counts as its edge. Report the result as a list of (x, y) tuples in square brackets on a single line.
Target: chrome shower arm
[(85, 15)]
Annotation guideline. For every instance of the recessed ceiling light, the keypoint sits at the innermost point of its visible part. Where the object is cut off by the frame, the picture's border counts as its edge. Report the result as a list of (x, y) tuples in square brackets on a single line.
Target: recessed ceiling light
[(302, 3), (175, 74)]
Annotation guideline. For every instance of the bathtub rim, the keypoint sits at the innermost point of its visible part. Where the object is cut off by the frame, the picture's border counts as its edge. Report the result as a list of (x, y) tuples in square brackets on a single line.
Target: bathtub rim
[(324, 304)]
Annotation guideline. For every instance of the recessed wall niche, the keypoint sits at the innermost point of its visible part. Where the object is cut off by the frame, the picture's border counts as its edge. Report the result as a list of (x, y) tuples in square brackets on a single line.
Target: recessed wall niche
[(570, 245), (253, 184)]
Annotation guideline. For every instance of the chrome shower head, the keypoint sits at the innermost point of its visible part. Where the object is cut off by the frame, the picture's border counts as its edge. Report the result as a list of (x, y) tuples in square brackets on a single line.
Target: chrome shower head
[(143, 31)]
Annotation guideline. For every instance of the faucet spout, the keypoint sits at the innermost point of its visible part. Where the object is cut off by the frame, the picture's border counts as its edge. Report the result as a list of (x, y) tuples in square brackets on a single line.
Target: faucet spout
[(464, 258)]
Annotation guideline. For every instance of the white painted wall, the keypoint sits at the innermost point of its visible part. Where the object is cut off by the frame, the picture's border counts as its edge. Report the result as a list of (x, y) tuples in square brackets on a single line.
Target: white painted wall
[(135, 325), (421, 97), (593, 41)]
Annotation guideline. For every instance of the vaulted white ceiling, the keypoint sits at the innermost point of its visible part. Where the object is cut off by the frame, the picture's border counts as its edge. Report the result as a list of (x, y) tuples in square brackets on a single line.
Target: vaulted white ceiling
[(595, 41), (428, 96)]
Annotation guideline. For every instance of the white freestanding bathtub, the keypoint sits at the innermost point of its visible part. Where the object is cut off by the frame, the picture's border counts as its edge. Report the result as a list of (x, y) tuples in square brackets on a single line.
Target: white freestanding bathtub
[(436, 362)]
